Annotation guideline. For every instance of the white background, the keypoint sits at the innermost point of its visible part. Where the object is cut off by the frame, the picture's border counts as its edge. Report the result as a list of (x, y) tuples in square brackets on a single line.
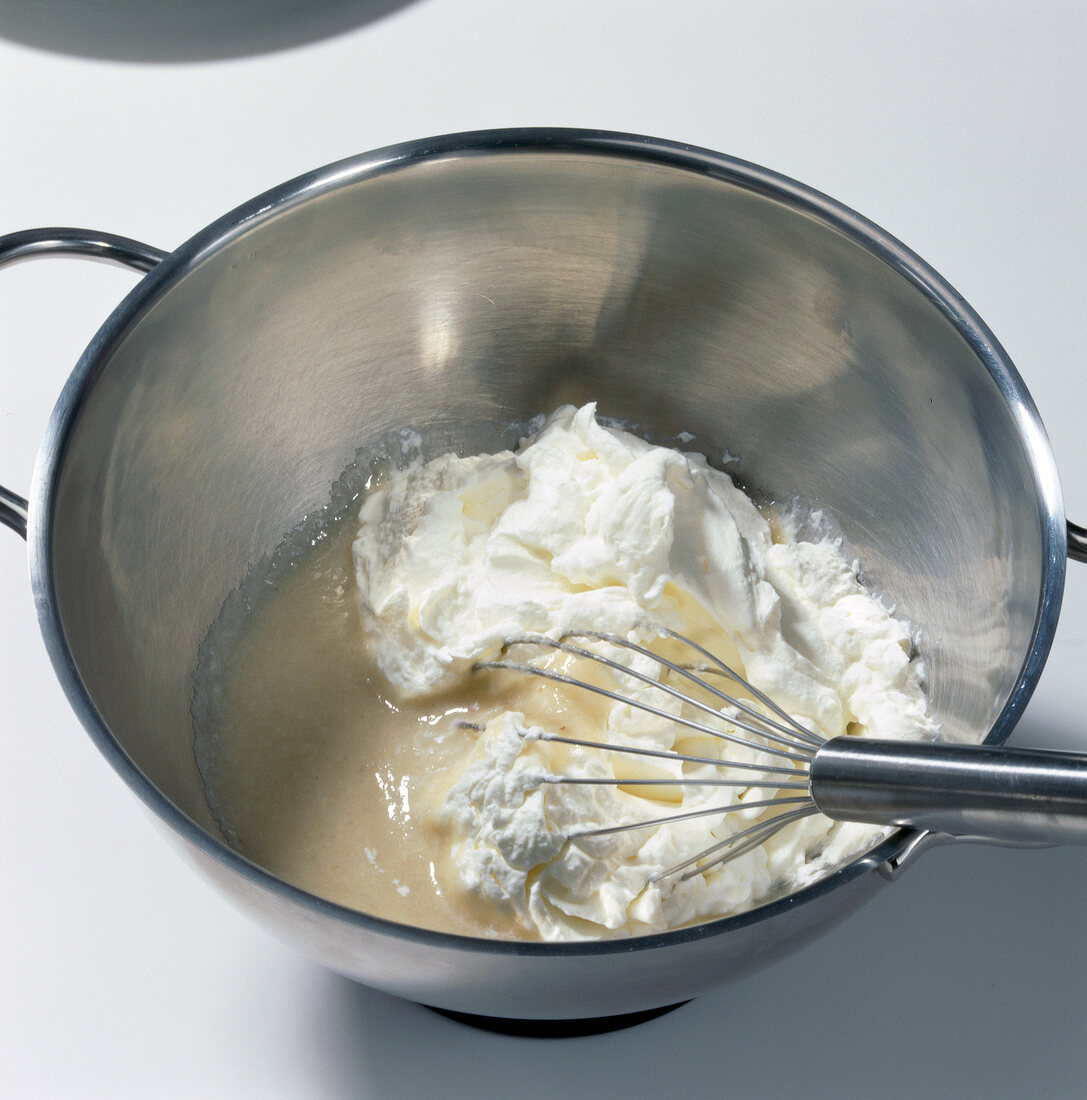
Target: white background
[(957, 126)]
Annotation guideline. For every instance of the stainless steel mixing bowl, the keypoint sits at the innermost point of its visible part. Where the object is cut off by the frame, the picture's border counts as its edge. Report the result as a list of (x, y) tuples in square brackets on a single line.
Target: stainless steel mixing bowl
[(459, 284)]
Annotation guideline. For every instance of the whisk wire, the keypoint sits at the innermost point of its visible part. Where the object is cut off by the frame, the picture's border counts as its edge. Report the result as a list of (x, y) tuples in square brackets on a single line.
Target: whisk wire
[(704, 811), (805, 734), (668, 754), (791, 743), (790, 730), (794, 751), (745, 841), (801, 757), (681, 781), (766, 727)]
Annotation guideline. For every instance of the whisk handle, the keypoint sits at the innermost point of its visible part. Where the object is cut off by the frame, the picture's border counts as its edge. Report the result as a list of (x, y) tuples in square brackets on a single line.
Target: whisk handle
[(1013, 795)]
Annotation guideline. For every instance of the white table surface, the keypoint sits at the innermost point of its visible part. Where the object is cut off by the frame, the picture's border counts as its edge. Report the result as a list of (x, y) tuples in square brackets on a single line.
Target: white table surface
[(957, 126)]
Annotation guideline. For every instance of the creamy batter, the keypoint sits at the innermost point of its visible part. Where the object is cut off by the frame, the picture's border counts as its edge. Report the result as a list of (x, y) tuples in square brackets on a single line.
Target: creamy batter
[(314, 768), (352, 749)]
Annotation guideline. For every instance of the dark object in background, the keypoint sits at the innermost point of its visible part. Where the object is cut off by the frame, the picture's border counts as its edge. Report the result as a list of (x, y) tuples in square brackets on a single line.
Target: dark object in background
[(196, 30)]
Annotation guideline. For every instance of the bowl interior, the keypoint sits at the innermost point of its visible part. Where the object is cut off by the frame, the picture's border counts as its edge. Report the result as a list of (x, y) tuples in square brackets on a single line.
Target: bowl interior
[(460, 294)]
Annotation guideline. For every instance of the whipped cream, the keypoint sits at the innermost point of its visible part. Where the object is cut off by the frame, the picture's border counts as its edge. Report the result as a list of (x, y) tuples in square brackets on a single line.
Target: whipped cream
[(588, 528)]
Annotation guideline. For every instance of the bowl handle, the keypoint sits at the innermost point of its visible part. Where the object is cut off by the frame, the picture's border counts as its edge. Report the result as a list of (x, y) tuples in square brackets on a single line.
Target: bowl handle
[(73, 242), (1077, 542)]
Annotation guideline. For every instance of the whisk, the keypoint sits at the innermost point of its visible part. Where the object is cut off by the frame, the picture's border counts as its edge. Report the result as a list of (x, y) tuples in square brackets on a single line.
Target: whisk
[(1014, 796)]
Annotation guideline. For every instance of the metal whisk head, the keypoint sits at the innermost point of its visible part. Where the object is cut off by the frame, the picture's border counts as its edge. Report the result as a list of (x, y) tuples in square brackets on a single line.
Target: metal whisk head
[(722, 716)]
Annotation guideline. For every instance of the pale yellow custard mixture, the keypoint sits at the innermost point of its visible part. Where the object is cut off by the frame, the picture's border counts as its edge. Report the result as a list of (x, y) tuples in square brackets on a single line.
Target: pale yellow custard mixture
[(349, 746)]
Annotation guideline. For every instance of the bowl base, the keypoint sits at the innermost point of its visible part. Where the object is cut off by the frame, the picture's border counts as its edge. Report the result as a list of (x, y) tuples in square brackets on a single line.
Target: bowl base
[(556, 1029)]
